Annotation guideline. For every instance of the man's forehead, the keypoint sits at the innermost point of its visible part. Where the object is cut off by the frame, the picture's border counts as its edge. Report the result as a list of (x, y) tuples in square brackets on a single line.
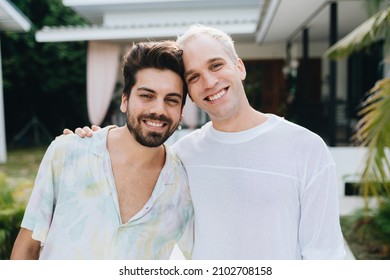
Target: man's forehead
[(151, 74), (210, 59), (203, 48), (158, 81)]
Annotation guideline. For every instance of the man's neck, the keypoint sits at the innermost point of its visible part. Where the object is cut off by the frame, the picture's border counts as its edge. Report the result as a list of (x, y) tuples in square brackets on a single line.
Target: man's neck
[(122, 145), (248, 119)]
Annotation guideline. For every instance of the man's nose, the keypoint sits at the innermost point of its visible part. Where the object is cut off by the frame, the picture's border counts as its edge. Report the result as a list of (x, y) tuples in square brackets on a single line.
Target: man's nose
[(158, 107), (209, 80)]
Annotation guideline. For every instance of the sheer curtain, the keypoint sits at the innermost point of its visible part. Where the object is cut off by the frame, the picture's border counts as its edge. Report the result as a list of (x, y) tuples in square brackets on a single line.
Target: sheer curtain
[(102, 72)]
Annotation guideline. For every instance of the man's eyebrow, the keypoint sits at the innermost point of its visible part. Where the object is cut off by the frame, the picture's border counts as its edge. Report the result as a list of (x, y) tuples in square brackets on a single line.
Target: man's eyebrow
[(175, 94), (146, 89), (214, 59)]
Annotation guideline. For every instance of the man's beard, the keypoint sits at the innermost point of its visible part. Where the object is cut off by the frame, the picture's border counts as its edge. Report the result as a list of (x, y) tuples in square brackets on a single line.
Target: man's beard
[(149, 139)]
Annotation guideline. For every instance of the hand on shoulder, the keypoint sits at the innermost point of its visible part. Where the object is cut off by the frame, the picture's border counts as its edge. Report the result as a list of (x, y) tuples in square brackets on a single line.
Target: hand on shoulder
[(82, 132)]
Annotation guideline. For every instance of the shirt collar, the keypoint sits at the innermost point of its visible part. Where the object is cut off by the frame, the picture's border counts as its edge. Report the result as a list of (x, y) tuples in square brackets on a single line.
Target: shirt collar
[(99, 141), (99, 148)]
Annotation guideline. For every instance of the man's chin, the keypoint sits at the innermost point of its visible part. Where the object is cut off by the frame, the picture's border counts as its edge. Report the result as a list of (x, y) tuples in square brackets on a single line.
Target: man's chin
[(153, 140)]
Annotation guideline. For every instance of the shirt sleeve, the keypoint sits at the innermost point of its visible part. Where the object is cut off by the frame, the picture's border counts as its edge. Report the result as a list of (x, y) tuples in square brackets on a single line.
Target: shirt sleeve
[(320, 233), (40, 207), (186, 240)]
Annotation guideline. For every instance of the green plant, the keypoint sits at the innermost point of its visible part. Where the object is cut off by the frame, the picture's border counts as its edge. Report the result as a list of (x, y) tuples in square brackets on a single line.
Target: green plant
[(17, 177), (368, 32), (367, 232), (11, 214), (373, 129), (61, 78)]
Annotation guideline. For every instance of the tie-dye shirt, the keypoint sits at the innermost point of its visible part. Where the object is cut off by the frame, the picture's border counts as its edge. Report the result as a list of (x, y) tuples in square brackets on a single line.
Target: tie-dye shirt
[(74, 212)]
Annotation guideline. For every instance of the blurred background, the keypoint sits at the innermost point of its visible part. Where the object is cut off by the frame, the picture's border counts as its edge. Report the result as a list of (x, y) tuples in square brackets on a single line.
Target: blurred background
[(314, 62)]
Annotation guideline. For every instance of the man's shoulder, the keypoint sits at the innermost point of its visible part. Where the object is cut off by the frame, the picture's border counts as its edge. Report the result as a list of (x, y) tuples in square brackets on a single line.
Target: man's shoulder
[(297, 131), (194, 135), (73, 142), (70, 140), (174, 167), (172, 158)]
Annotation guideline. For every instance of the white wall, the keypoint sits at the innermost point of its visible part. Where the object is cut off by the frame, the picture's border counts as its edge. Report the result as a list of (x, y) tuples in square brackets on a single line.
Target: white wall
[(3, 145), (349, 166), (349, 162), (254, 51)]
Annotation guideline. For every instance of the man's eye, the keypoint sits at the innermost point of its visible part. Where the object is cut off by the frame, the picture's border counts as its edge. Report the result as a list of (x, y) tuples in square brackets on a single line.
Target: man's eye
[(192, 79), (173, 101), (145, 96), (216, 66)]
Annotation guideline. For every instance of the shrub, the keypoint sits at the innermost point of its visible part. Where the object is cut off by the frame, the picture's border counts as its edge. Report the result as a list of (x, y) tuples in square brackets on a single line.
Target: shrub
[(12, 205), (368, 232)]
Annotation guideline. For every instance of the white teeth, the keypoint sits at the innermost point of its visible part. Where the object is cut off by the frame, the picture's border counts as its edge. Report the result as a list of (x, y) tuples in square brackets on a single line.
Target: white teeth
[(154, 124), (217, 96)]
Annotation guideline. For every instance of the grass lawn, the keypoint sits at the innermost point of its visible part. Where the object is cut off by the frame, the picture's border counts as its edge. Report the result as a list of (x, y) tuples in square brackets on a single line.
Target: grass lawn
[(22, 164), (17, 178), (19, 172)]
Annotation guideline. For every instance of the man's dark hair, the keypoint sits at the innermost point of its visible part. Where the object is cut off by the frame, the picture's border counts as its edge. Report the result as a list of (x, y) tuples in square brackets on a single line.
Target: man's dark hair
[(163, 55)]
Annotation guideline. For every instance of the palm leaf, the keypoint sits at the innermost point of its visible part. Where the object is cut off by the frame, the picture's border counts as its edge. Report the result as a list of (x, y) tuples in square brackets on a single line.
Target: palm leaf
[(373, 131), (368, 32)]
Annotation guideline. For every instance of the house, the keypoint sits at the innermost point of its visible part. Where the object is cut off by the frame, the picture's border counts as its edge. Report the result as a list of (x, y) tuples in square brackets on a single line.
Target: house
[(282, 43), (11, 19)]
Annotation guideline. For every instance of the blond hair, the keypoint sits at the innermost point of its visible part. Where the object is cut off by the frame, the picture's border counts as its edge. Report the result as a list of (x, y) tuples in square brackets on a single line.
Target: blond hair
[(223, 38)]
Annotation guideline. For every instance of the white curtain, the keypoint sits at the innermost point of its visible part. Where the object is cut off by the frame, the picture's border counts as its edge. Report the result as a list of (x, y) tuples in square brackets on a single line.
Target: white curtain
[(102, 72)]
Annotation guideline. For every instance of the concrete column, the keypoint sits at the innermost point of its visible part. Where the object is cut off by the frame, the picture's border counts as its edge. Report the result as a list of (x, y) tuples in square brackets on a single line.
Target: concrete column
[(3, 145), (333, 37)]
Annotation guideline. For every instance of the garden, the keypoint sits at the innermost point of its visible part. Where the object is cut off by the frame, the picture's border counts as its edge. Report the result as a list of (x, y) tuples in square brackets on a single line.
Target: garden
[(16, 182)]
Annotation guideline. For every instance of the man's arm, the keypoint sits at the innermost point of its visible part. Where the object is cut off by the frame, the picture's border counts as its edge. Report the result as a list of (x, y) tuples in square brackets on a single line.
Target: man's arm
[(25, 247)]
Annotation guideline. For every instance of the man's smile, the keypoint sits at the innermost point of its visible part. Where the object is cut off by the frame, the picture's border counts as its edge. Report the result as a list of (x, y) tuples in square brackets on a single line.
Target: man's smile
[(154, 123), (216, 96)]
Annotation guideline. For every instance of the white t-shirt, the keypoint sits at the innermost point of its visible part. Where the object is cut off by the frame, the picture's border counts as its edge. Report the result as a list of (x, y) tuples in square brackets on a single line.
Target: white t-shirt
[(265, 193)]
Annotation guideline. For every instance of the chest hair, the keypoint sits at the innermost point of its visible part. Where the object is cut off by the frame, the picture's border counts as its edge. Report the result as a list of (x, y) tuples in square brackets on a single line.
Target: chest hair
[(134, 187)]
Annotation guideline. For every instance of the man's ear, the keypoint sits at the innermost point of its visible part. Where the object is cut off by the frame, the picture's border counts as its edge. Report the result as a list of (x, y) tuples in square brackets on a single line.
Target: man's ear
[(241, 68), (124, 101)]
